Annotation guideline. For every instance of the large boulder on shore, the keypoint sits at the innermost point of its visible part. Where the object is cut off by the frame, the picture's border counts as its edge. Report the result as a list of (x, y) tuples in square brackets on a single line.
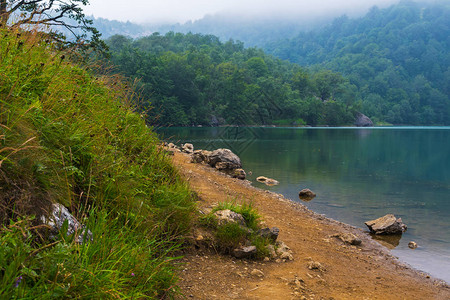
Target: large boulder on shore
[(227, 159), (388, 224), (362, 120)]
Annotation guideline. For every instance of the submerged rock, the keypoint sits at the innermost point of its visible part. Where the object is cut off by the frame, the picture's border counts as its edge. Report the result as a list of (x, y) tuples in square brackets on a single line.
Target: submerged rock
[(388, 224), (267, 181), (412, 245), (59, 215), (306, 195)]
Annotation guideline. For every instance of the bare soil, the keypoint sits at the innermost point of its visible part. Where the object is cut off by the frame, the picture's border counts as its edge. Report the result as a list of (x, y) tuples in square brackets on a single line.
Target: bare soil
[(367, 271)]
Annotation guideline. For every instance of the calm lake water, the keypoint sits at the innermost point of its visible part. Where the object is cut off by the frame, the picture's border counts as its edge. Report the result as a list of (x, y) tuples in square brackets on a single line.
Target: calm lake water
[(358, 175)]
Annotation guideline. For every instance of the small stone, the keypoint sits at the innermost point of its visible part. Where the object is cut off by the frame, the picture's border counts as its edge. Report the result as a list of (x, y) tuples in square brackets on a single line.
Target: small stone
[(257, 273), (287, 256), (199, 238), (266, 259), (348, 238), (412, 245), (314, 265), (306, 195), (244, 252), (187, 148)]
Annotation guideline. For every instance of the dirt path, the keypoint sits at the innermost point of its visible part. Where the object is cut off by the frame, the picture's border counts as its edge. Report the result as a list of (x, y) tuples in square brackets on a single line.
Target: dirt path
[(364, 272)]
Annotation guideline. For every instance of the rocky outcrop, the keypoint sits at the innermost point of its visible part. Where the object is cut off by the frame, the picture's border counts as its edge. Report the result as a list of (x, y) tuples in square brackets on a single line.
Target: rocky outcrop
[(363, 120), (58, 216), (388, 224), (267, 181), (306, 195), (283, 251)]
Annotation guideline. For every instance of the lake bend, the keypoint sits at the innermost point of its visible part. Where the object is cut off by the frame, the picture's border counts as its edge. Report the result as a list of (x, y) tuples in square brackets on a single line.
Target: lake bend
[(358, 174)]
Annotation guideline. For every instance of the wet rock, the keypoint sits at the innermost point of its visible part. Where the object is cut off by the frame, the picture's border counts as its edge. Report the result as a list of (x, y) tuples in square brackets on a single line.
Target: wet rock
[(187, 148), (412, 245), (362, 120), (227, 159), (244, 252), (388, 224), (257, 273), (59, 214), (267, 181), (306, 194), (348, 238), (227, 216), (269, 233)]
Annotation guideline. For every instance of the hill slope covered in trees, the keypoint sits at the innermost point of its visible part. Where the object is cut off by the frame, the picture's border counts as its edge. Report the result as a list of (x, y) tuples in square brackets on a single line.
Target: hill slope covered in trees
[(398, 58), (196, 79)]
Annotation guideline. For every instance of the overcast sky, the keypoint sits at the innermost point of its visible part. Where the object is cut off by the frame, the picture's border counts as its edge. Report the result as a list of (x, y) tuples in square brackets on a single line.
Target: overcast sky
[(151, 11)]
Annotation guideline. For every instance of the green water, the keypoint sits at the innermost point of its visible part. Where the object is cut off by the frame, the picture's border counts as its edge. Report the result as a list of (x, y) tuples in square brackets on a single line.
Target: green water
[(358, 175)]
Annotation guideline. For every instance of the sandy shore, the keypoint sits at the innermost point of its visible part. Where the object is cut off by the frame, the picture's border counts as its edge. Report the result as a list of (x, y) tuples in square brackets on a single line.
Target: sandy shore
[(367, 271)]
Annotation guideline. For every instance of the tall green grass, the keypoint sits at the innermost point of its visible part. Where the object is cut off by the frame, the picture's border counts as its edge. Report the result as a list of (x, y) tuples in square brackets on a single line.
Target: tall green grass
[(70, 136)]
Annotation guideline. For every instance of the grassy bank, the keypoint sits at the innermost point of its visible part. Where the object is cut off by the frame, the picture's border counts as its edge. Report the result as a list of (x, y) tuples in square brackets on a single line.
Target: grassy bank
[(71, 137)]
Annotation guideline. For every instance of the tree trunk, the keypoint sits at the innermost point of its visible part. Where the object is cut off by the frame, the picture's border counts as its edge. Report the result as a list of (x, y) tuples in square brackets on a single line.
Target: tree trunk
[(4, 15)]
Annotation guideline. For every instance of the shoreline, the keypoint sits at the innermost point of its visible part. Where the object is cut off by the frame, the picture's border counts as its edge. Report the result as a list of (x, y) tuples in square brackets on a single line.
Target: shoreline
[(345, 264)]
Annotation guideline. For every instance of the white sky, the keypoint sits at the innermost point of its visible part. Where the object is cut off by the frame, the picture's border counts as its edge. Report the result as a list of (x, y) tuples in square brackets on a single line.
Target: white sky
[(150, 11)]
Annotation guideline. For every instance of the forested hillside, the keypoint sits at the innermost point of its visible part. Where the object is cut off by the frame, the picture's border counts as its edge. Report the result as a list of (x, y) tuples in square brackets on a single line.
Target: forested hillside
[(398, 58), (196, 79)]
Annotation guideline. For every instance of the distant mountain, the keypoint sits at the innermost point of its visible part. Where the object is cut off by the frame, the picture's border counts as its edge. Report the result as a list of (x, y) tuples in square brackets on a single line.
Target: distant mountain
[(398, 58)]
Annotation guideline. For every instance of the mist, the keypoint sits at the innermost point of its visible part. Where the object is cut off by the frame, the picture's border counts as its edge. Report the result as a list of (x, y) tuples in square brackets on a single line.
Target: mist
[(179, 11)]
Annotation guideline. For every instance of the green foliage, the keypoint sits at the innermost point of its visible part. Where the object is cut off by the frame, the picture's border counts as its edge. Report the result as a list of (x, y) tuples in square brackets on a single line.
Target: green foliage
[(71, 137), (229, 236), (397, 60), (190, 79)]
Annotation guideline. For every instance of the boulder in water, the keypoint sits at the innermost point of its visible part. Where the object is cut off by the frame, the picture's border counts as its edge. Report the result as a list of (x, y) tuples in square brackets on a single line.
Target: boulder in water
[(388, 224)]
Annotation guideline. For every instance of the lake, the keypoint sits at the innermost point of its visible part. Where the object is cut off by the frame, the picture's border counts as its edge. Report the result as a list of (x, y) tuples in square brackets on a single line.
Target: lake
[(358, 174)]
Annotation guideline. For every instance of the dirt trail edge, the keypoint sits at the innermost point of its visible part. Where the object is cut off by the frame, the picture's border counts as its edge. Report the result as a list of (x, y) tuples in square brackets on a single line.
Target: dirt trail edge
[(367, 271)]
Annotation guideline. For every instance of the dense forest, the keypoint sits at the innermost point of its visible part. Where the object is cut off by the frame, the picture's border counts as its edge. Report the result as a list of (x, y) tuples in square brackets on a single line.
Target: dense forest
[(398, 58), (392, 64), (194, 79)]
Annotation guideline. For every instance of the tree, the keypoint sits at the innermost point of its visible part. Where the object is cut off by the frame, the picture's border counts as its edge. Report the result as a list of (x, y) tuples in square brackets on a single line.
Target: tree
[(66, 14)]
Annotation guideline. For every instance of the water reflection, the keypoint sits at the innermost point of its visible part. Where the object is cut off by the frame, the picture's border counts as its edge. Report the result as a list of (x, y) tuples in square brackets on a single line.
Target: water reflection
[(389, 241)]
